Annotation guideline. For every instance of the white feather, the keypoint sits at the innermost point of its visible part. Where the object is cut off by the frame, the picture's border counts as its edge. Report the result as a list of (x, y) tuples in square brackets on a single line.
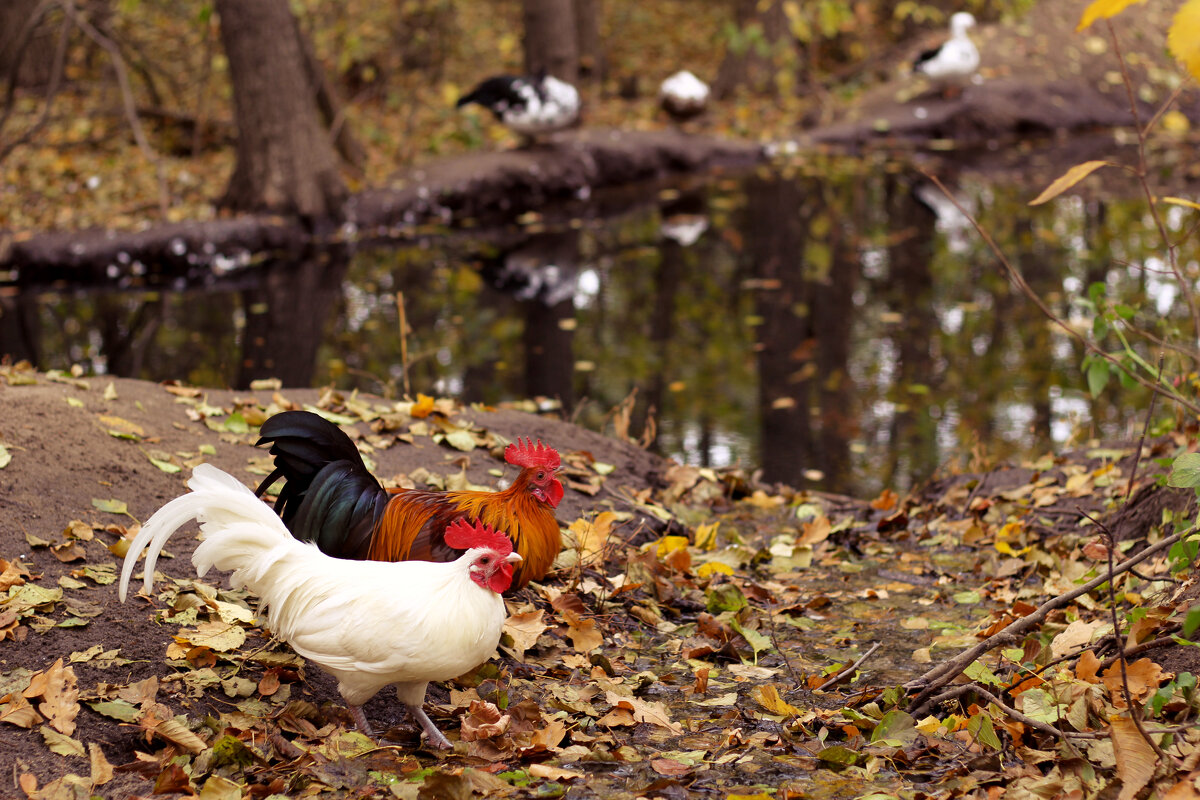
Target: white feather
[(958, 58), (555, 107), (367, 623)]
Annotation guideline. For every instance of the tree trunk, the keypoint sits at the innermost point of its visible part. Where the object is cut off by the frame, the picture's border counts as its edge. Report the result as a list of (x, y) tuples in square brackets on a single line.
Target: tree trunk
[(750, 54), (29, 52), (285, 160), (551, 39), (591, 50)]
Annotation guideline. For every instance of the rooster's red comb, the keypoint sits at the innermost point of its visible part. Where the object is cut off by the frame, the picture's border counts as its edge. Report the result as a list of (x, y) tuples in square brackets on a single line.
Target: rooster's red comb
[(463, 534), (528, 454)]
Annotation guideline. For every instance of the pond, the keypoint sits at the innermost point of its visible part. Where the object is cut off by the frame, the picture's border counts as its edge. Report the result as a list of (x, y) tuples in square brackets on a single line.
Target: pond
[(836, 323)]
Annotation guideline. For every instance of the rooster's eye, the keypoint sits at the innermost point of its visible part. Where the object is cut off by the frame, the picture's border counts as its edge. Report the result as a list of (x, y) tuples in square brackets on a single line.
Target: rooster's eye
[(540, 475), (485, 560)]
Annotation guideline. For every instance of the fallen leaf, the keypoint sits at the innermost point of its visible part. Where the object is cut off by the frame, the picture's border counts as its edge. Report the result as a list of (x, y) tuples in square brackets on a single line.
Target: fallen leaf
[(61, 743), (483, 721), (1136, 759), (768, 697), (652, 712), (554, 773), (525, 630), (60, 695), (102, 771)]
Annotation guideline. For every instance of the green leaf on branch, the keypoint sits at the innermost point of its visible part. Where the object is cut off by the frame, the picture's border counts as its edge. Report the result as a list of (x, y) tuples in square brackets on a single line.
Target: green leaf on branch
[(1185, 472), (1097, 376)]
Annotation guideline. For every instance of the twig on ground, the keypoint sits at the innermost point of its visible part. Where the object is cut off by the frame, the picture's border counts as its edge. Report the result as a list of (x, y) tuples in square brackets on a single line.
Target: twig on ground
[(848, 671), (1130, 704), (1044, 727), (945, 672), (775, 641)]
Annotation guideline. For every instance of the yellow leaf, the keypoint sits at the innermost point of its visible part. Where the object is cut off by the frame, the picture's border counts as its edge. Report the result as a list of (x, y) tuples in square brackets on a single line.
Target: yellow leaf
[(929, 726), (669, 544), (1179, 201), (423, 407), (591, 536), (706, 535), (713, 566), (768, 697), (1176, 121), (1007, 549), (1103, 9), (1183, 38), (1072, 176)]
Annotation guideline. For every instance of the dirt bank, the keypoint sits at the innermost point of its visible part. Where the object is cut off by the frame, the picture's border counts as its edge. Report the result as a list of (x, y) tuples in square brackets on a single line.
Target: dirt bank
[(482, 186)]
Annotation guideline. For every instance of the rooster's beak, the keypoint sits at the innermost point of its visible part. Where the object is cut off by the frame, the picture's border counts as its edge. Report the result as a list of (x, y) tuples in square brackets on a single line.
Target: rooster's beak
[(513, 558)]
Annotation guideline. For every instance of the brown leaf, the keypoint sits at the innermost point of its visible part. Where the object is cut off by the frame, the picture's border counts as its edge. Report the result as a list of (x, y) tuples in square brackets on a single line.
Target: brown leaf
[(585, 636), (1096, 550), (524, 630), (549, 737), (768, 697), (816, 531), (568, 601), (483, 721), (28, 782), (645, 711), (17, 711), (617, 717), (60, 694), (269, 683), (887, 499), (1135, 757), (102, 771), (172, 780), (68, 552), (1144, 676), (12, 573), (701, 685), (1086, 669), (553, 773), (669, 767), (174, 732)]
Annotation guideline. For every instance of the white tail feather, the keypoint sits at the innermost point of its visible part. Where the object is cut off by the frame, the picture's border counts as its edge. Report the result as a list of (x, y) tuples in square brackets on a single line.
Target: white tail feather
[(221, 504)]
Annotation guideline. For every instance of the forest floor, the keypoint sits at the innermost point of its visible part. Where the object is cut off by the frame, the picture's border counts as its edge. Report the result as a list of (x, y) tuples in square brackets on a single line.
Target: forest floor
[(681, 649)]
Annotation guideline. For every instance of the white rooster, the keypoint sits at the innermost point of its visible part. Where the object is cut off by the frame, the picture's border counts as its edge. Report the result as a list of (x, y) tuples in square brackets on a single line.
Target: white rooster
[(366, 623)]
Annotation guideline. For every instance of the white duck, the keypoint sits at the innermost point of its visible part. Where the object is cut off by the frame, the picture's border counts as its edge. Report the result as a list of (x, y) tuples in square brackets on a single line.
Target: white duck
[(955, 61), (683, 96)]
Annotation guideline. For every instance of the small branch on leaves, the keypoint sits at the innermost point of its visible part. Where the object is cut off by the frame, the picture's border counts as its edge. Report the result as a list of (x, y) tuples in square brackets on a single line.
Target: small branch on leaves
[(947, 671), (1134, 707), (846, 672)]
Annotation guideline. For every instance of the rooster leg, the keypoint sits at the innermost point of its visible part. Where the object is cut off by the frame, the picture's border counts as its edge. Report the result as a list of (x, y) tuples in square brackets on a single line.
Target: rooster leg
[(360, 719), (436, 739)]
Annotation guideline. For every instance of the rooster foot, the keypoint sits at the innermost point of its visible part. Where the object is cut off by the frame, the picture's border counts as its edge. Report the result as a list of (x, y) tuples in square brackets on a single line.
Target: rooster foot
[(360, 719), (436, 739)]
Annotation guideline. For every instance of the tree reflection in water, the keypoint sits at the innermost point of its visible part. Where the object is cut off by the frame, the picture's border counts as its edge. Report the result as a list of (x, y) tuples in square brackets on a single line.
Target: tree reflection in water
[(839, 330)]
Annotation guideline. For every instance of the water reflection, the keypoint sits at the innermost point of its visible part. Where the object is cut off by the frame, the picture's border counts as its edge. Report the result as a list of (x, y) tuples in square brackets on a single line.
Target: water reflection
[(843, 329)]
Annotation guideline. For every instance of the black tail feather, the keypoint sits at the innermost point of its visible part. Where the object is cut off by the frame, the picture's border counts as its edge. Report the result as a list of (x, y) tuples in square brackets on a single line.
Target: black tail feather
[(329, 496)]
